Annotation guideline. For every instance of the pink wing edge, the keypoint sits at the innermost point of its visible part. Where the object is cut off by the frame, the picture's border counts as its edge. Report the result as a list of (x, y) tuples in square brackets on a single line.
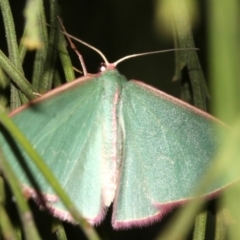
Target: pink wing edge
[(53, 92), (177, 101), (44, 201), (162, 210)]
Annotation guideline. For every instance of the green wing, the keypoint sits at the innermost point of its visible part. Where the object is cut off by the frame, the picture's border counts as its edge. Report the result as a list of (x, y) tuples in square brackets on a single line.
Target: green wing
[(66, 131), (168, 145)]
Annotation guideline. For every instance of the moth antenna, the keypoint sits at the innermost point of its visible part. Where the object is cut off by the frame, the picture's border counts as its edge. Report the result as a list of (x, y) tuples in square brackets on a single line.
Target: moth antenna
[(148, 53), (107, 64), (73, 47), (69, 36), (77, 70), (90, 46)]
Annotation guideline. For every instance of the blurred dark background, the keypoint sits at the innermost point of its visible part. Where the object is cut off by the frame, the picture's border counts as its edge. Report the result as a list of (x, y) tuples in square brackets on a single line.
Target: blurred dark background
[(119, 28)]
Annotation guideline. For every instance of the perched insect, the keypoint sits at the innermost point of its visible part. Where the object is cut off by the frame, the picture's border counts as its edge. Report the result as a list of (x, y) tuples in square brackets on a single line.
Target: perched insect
[(113, 141)]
